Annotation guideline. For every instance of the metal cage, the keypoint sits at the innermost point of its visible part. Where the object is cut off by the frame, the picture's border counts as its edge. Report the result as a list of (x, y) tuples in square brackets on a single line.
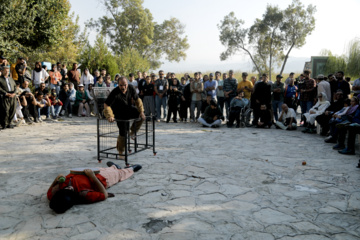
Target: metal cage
[(108, 132)]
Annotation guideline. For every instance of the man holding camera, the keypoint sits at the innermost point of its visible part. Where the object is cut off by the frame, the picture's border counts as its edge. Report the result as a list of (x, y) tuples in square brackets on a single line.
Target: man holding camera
[(7, 96)]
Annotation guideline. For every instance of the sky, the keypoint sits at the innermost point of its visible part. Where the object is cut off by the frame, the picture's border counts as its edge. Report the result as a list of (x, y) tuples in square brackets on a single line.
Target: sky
[(335, 28)]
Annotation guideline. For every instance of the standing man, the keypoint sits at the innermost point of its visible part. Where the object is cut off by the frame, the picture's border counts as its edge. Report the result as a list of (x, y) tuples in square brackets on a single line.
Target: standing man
[(119, 105), (342, 84), (7, 96), (20, 69), (219, 91), (211, 86), (307, 94), (262, 97), (230, 86), (74, 76), (245, 86), (323, 86), (277, 89), (161, 87), (291, 76)]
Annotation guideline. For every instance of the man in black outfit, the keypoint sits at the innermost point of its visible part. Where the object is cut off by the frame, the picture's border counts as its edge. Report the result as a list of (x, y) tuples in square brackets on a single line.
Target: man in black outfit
[(120, 106), (262, 96), (7, 97)]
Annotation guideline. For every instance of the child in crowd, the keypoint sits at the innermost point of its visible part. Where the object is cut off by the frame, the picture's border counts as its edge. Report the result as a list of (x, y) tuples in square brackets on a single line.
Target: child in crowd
[(56, 104)]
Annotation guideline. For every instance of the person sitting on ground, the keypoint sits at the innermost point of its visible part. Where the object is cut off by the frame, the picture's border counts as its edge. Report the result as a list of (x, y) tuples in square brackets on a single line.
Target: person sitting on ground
[(287, 119), (238, 103), (174, 95), (205, 103), (42, 89), (264, 117), (336, 105), (212, 116), (318, 109), (42, 106), (346, 118), (81, 101), (56, 104), (89, 187)]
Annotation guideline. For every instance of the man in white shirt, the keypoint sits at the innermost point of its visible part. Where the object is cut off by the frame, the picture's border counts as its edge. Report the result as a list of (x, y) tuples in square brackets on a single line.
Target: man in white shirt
[(287, 119), (7, 97), (323, 86)]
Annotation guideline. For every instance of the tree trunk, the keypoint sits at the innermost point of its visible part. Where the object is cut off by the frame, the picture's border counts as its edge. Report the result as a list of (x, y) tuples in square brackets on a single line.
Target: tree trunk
[(252, 59), (286, 58)]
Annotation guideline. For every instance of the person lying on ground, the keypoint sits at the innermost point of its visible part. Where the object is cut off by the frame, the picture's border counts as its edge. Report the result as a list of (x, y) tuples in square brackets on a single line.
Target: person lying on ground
[(88, 187)]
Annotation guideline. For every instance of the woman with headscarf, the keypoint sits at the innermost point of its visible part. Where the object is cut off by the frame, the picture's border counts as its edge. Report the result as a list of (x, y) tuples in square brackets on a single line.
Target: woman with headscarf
[(38, 75), (86, 79), (318, 109)]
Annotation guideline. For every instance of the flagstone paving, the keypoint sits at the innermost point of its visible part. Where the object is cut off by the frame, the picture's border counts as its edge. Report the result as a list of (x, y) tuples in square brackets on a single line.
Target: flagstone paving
[(203, 184)]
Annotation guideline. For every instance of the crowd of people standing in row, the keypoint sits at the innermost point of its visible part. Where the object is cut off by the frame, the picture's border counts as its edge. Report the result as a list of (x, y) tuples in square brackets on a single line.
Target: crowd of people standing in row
[(208, 98)]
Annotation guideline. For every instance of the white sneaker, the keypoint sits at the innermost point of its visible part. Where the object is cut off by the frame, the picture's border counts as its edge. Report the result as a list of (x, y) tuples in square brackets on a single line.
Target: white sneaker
[(23, 121), (70, 115), (62, 112)]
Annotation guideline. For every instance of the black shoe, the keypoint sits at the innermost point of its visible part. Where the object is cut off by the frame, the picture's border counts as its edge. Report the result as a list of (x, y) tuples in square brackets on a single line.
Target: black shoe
[(175, 121), (10, 126), (109, 164), (237, 125), (214, 126), (136, 167)]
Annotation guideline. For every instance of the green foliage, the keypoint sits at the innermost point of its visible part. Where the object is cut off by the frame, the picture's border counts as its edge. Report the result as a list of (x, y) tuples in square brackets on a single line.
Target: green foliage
[(348, 62), (269, 40), (131, 61), (353, 63), (128, 25), (29, 25), (66, 51), (98, 57)]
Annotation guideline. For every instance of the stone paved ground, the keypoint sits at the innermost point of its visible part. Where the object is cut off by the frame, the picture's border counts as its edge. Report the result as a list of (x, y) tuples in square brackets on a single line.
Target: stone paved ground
[(202, 184)]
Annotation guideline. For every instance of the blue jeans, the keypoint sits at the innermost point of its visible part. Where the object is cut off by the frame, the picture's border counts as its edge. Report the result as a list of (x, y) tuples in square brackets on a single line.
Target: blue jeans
[(305, 107), (160, 102), (55, 110), (276, 106)]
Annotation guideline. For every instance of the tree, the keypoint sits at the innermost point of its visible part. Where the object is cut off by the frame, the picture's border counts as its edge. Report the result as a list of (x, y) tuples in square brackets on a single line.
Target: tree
[(131, 61), (98, 57), (66, 51), (353, 63), (28, 25), (298, 24), (266, 35), (130, 26), (267, 39)]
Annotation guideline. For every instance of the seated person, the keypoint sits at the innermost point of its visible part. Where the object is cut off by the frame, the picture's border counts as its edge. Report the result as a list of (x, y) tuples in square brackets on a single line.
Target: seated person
[(287, 119), (73, 189), (64, 96), (56, 104), (42, 89), (90, 93), (346, 118), (335, 106), (212, 116), (42, 106), (264, 117), (238, 103), (318, 109), (206, 103), (351, 129), (81, 101)]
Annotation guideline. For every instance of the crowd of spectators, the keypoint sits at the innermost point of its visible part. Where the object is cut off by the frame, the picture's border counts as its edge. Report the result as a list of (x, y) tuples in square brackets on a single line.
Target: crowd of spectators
[(213, 99)]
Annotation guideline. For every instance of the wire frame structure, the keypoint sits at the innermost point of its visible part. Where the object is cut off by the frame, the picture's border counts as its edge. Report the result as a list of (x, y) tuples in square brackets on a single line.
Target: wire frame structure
[(108, 132), (100, 95)]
